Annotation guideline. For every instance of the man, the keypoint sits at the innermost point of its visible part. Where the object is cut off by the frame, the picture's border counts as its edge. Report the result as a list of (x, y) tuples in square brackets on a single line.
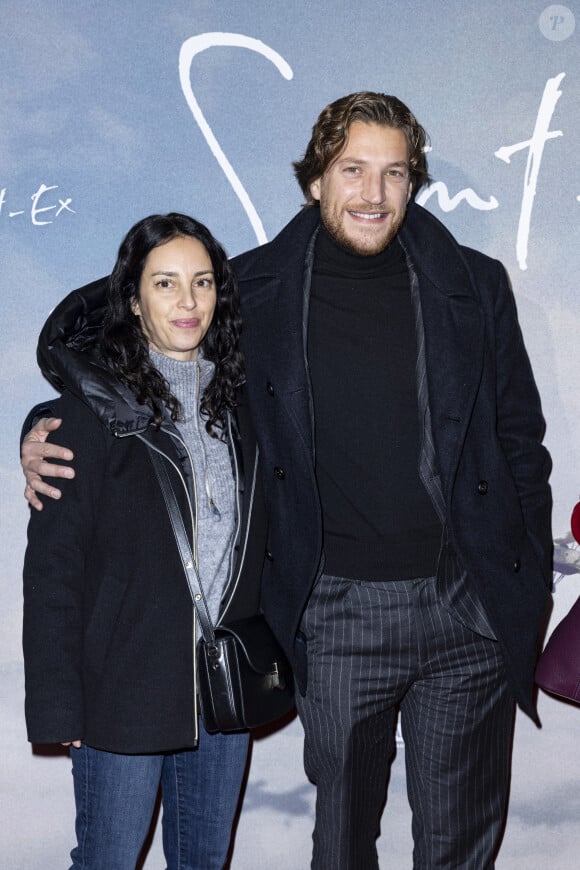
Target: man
[(408, 562)]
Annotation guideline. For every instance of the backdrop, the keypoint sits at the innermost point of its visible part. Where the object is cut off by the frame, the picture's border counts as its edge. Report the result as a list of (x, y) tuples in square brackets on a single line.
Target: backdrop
[(112, 110)]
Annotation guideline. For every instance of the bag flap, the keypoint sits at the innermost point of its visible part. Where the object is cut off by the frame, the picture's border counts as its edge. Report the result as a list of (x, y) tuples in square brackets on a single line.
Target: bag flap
[(262, 650)]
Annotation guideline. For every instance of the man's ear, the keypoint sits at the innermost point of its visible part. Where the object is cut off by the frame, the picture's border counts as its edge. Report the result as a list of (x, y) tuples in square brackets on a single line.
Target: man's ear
[(315, 189), (409, 192)]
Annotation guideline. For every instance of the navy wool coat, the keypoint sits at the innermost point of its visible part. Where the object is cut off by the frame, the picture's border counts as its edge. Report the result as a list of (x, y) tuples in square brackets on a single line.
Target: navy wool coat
[(485, 421)]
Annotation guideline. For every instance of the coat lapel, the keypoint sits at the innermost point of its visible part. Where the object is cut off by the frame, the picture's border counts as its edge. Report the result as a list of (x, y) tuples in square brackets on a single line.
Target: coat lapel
[(452, 326), (450, 340)]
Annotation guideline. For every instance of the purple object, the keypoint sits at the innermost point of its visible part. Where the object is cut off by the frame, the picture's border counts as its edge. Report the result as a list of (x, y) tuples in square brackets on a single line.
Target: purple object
[(558, 670)]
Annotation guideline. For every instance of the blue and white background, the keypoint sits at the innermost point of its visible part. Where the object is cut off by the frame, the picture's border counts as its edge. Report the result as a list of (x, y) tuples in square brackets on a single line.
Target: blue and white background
[(111, 110)]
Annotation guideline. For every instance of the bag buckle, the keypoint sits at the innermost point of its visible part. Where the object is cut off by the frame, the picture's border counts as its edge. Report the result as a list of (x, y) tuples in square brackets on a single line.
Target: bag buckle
[(213, 654), (276, 681)]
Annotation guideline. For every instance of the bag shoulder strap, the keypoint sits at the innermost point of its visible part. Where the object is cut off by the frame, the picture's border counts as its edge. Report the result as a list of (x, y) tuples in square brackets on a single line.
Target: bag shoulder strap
[(187, 560)]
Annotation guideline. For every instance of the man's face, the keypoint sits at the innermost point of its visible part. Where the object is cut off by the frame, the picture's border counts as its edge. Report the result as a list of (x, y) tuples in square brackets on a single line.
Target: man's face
[(364, 193)]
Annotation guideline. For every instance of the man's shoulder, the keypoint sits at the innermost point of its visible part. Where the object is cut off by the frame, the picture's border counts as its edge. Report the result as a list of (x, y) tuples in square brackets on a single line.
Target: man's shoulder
[(431, 242), (292, 240), (479, 259)]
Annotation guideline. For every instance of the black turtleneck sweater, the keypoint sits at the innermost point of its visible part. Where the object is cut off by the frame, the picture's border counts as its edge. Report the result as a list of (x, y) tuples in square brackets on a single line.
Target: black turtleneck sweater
[(379, 522)]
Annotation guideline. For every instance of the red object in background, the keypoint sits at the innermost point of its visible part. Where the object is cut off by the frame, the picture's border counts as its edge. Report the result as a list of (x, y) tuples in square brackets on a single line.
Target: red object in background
[(575, 522)]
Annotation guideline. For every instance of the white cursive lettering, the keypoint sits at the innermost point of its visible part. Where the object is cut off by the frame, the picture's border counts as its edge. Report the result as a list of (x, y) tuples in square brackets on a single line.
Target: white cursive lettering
[(194, 45)]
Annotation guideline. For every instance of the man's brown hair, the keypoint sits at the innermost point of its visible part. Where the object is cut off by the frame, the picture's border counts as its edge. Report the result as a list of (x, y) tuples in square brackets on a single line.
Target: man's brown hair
[(330, 133)]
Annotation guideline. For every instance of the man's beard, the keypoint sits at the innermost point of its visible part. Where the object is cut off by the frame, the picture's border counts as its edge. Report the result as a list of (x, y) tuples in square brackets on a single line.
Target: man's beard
[(335, 226)]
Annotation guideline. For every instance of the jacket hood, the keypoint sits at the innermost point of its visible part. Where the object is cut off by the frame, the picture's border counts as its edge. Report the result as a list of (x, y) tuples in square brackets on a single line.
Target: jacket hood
[(68, 357)]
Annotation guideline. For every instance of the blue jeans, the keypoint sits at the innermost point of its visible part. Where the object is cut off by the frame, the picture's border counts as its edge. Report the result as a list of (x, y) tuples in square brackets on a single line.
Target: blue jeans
[(115, 799)]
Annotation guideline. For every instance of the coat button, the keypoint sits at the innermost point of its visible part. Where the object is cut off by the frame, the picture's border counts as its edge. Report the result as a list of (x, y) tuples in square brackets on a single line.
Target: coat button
[(269, 556), (482, 487), (270, 388), (517, 565), (280, 473)]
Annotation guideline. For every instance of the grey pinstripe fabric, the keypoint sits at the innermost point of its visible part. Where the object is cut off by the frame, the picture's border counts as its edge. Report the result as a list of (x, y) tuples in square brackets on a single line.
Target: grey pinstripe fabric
[(374, 647)]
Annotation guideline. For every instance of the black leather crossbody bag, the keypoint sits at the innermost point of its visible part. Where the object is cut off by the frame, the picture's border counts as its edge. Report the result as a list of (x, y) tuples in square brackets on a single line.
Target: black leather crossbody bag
[(244, 679)]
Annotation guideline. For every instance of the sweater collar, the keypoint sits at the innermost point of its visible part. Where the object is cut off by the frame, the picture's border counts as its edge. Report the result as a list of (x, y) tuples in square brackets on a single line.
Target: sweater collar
[(331, 258)]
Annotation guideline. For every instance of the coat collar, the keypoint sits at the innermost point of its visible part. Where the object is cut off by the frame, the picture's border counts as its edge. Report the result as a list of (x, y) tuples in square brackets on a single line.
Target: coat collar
[(436, 254), (286, 252)]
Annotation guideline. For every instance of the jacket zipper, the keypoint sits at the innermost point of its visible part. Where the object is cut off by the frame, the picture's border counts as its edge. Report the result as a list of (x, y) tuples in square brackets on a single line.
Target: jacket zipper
[(212, 505)]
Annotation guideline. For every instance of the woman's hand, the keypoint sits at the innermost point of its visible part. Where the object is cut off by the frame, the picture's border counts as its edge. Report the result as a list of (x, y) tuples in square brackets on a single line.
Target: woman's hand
[(75, 743), (35, 451)]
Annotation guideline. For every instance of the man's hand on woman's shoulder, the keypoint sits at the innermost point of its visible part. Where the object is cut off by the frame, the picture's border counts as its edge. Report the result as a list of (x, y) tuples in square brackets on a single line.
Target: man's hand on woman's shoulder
[(35, 456)]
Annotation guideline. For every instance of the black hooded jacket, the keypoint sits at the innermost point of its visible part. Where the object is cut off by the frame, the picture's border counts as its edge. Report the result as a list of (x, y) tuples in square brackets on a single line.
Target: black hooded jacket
[(108, 618)]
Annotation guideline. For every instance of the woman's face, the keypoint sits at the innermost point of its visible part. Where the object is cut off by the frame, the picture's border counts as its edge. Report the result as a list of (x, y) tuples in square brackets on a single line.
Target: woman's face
[(177, 297)]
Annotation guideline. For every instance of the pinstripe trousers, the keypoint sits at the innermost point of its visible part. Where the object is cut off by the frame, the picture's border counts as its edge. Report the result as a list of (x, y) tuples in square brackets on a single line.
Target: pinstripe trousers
[(375, 648)]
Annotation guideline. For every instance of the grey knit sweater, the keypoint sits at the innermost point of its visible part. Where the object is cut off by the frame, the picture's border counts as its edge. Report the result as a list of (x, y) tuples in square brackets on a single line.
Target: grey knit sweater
[(215, 488)]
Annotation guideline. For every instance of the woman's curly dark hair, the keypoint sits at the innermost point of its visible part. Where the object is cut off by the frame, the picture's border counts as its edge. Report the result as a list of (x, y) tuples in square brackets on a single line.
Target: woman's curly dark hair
[(124, 346)]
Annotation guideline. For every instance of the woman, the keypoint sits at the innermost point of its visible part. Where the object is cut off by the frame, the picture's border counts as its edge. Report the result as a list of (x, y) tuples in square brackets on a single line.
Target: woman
[(149, 357)]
